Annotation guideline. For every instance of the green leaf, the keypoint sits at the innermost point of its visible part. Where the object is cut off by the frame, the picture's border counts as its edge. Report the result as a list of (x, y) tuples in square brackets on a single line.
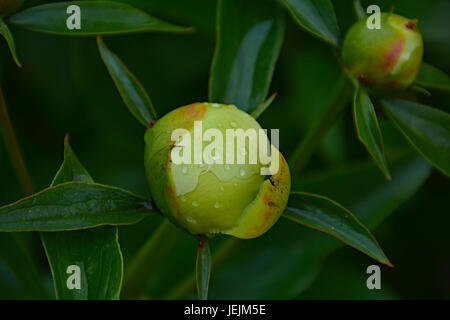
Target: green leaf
[(263, 106), (359, 10), (6, 33), (71, 168), (131, 90), (426, 128), (153, 257), (73, 206), (325, 215), (249, 37), (284, 262), (317, 17), (369, 132), (96, 251), (97, 17), (203, 269), (433, 78)]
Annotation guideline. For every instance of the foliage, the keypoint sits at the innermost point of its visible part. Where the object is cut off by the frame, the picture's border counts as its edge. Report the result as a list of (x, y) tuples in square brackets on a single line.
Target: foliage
[(81, 222)]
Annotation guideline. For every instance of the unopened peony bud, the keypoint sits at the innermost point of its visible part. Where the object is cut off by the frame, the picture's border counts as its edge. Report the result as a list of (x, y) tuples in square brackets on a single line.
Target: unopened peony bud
[(389, 57)]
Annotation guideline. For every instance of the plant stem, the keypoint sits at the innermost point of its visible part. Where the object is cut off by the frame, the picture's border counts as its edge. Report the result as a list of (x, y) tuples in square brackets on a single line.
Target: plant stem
[(203, 268), (340, 98), (188, 284), (154, 251), (13, 148)]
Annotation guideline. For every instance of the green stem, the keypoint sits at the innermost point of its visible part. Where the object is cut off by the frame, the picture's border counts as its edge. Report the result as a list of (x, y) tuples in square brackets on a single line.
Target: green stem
[(149, 257), (340, 99), (203, 268), (187, 285), (13, 148)]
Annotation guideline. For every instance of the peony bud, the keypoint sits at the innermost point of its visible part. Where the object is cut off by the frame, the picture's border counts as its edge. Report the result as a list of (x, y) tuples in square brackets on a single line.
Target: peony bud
[(389, 57), (206, 195)]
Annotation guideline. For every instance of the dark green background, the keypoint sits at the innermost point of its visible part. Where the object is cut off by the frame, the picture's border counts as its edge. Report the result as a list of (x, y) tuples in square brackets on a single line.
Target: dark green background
[(64, 87)]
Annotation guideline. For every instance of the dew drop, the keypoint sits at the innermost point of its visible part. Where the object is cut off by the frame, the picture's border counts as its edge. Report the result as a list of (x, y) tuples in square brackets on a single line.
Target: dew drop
[(241, 172), (183, 198), (184, 170), (195, 203), (233, 124), (227, 167), (222, 189), (215, 105), (217, 205), (190, 219)]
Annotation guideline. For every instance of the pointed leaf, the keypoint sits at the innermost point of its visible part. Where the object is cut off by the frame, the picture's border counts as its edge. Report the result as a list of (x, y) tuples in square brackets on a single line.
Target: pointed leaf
[(369, 132), (100, 270), (72, 206), (97, 17), (71, 168), (203, 269), (249, 37), (131, 90), (263, 106), (426, 128), (325, 215), (317, 17), (285, 261), (6, 33), (359, 10), (433, 78)]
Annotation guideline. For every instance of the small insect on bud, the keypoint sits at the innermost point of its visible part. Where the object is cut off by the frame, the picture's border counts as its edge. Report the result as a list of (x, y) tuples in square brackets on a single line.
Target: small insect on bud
[(389, 57), (197, 181), (9, 6)]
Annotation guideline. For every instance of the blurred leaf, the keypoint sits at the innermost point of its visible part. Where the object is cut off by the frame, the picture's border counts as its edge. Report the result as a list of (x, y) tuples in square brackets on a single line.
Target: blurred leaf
[(284, 262), (95, 251), (325, 215), (203, 269), (153, 256), (249, 37), (6, 33), (71, 168), (359, 10), (426, 128), (22, 267), (263, 106), (72, 206), (329, 115), (97, 17), (317, 17), (433, 78), (131, 90), (369, 132)]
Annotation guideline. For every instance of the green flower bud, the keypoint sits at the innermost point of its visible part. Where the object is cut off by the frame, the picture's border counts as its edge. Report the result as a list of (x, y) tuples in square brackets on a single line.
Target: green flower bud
[(9, 6), (387, 57), (211, 197)]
